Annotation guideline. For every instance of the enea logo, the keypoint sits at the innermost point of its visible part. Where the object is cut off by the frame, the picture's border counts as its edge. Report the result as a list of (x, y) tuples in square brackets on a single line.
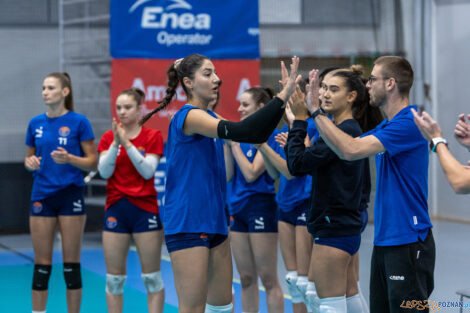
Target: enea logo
[(170, 18), (37, 207), (64, 131), (111, 222)]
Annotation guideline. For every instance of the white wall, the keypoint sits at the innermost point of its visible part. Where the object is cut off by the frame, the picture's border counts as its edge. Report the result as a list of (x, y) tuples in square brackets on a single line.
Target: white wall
[(451, 64), (26, 56)]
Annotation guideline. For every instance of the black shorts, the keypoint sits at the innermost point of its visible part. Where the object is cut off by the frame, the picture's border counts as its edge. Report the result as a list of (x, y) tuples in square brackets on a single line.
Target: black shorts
[(400, 274)]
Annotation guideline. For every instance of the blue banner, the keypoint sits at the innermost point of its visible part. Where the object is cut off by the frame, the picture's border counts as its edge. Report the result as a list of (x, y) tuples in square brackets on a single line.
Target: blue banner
[(170, 29)]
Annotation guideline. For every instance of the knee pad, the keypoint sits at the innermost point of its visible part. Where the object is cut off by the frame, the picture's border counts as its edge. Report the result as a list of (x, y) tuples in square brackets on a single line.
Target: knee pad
[(153, 281), (219, 309), (41, 276), (333, 305), (311, 298), (291, 281), (72, 275), (115, 284)]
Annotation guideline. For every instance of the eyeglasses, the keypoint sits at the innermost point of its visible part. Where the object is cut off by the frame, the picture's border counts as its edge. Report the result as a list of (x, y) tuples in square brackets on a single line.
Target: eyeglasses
[(372, 79)]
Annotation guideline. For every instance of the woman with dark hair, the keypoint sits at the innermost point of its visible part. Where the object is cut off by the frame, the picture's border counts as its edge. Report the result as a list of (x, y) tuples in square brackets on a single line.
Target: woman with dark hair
[(338, 186), (129, 156), (194, 217), (59, 147), (253, 234)]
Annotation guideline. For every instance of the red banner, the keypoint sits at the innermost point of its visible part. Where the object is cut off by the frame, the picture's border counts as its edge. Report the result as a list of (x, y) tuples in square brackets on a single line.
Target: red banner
[(150, 76)]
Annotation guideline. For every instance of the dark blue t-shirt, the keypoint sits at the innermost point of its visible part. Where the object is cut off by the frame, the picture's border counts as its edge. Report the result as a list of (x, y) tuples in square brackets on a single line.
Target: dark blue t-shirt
[(241, 189), (46, 135), (401, 209), (195, 181), (292, 193)]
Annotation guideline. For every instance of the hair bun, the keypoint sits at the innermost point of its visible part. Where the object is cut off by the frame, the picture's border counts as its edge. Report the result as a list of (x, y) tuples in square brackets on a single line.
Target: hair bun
[(357, 69)]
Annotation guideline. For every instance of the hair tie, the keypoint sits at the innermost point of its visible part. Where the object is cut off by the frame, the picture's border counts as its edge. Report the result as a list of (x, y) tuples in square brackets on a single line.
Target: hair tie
[(177, 63)]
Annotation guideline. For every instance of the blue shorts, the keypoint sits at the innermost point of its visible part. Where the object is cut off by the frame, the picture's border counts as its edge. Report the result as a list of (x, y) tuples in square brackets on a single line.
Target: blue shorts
[(125, 217), (259, 215), (68, 201), (297, 216), (348, 244), (182, 241)]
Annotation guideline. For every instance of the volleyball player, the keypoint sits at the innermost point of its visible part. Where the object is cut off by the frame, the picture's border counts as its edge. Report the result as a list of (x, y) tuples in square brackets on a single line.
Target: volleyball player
[(194, 217), (253, 233), (129, 156), (59, 147), (334, 218)]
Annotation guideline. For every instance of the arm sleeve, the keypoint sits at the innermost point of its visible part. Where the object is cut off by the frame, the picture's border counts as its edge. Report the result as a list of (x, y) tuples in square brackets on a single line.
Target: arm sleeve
[(302, 160), (107, 162), (257, 127), (146, 166)]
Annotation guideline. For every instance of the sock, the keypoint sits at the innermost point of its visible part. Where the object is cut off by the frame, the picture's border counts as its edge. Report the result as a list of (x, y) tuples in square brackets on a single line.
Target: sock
[(333, 305), (354, 304)]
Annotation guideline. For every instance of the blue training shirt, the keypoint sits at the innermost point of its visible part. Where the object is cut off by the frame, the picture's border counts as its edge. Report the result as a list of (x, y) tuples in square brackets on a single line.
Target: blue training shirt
[(195, 181), (241, 189), (401, 209), (292, 193), (46, 135)]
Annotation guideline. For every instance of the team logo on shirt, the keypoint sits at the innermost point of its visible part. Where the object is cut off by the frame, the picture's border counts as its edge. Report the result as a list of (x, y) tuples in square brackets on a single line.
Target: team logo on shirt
[(39, 131), (37, 207), (111, 222), (141, 150), (64, 131)]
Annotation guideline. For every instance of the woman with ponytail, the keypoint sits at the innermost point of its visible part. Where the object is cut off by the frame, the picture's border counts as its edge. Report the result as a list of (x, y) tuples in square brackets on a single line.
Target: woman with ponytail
[(194, 216), (253, 234), (129, 156), (338, 193), (60, 145)]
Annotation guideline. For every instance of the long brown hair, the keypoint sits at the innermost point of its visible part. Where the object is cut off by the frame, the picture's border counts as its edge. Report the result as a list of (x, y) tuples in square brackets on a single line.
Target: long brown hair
[(65, 82), (175, 73)]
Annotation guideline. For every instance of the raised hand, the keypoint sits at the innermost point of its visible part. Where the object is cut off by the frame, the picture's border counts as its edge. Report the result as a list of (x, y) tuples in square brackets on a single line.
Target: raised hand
[(116, 140), (313, 91), (288, 116), (297, 104), (281, 139), (428, 127), (60, 156), (121, 133), (462, 131), (33, 162), (289, 81)]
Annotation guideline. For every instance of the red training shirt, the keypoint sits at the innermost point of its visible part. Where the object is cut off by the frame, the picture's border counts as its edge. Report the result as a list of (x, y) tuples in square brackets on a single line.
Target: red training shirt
[(126, 182)]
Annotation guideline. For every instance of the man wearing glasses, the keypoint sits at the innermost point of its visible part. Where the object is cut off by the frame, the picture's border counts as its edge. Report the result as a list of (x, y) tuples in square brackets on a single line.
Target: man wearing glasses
[(402, 266)]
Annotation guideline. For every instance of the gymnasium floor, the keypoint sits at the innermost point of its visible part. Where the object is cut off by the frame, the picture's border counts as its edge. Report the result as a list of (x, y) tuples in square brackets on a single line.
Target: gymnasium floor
[(452, 273)]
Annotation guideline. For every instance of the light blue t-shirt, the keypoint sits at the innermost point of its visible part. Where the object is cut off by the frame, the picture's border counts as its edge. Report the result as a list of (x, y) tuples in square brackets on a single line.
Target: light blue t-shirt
[(292, 193), (195, 181), (46, 135), (241, 189), (401, 209)]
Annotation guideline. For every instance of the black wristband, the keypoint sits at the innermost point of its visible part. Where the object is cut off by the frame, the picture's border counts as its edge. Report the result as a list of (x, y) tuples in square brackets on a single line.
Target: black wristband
[(318, 112)]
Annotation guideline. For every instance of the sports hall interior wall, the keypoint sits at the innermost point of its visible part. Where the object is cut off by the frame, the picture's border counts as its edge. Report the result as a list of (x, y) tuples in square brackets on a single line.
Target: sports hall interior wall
[(29, 50)]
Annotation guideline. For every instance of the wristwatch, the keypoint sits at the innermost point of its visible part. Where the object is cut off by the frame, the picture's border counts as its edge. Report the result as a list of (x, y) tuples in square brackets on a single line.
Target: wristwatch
[(435, 141), (318, 112)]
